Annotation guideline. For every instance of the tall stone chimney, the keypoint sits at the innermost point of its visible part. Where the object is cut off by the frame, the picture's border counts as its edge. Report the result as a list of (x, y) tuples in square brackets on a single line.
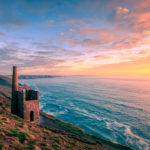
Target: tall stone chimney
[(14, 89), (15, 79)]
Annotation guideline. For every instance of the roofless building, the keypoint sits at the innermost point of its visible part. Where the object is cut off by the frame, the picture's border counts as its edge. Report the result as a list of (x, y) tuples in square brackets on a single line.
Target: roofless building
[(25, 101)]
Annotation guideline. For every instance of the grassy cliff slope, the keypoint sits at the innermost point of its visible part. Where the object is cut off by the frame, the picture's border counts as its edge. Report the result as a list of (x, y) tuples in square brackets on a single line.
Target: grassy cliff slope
[(52, 133)]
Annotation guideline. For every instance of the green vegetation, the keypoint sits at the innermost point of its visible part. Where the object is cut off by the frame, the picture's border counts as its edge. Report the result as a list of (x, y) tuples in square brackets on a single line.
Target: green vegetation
[(1, 146), (63, 125), (29, 147), (21, 124), (55, 146), (42, 144), (22, 137), (29, 136), (8, 106), (56, 139), (3, 119)]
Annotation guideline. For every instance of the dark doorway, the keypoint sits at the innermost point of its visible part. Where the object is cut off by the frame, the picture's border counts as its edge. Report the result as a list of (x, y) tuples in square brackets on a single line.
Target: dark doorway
[(31, 116)]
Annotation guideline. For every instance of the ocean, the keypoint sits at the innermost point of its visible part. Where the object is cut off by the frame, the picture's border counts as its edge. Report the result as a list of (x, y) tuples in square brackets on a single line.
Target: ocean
[(116, 109)]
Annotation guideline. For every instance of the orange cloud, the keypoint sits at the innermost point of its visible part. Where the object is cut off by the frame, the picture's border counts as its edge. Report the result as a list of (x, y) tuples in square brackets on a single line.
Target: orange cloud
[(140, 66), (146, 32), (103, 56)]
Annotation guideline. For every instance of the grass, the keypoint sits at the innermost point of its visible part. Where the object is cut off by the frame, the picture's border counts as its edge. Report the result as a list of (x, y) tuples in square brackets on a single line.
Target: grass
[(65, 126), (28, 147), (21, 124), (51, 129), (1, 146), (8, 105), (56, 139), (3, 119), (42, 144), (21, 135), (55, 146)]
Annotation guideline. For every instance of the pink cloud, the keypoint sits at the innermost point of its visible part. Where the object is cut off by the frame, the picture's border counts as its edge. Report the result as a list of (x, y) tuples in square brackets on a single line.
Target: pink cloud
[(142, 21), (136, 19), (2, 33), (70, 41), (103, 56), (144, 52), (121, 12), (141, 5), (129, 29)]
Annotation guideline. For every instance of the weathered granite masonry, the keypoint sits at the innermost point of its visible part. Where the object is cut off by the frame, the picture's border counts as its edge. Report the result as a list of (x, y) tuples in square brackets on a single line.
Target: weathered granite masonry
[(25, 101)]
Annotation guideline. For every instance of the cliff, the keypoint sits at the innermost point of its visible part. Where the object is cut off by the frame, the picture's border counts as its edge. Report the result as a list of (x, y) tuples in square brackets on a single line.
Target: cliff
[(52, 133)]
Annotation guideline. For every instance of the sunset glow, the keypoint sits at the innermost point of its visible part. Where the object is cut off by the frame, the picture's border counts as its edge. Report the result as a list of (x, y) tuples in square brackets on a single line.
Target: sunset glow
[(98, 37)]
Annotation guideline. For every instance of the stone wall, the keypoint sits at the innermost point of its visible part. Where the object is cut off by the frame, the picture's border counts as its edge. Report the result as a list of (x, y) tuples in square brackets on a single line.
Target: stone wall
[(30, 106), (20, 104)]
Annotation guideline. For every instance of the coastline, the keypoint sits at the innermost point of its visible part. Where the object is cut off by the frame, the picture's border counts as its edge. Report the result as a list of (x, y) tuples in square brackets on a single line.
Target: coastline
[(68, 129)]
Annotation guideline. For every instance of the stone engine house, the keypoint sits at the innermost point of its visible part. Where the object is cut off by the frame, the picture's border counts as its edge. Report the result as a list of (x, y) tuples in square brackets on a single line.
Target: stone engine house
[(25, 101)]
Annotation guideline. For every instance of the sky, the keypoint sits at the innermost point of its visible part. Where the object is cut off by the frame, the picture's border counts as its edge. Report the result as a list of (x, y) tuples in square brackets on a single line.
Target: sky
[(75, 37)]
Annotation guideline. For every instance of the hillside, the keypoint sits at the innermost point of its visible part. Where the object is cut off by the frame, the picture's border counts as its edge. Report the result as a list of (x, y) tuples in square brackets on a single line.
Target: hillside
[(15, 133), (52, 133), (5, 87)]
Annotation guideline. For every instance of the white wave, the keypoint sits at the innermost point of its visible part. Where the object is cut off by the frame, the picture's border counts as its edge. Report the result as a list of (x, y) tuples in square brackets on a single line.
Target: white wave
[(131, 137), (51, 113), (81, 110), (140, 141), (41, 105), (89, 115), (60, 112), (120, 124), (108, 125), (71, 104)]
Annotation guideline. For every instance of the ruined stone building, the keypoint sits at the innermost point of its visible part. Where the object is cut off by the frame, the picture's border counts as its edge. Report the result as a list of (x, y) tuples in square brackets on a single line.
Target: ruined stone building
[(25, 101)]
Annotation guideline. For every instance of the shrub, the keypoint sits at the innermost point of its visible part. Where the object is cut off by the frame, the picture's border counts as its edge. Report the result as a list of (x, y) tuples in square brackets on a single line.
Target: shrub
[(21, 124), (18, 147), (1, 146), (8, 105), (4, 119), (13, 133), (22, 137), (56, 139), (42, 144), (55, 146), (28, 147)]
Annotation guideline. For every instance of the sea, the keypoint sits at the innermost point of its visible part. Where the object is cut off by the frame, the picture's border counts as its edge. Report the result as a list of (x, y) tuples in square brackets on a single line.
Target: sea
[(116, 109)]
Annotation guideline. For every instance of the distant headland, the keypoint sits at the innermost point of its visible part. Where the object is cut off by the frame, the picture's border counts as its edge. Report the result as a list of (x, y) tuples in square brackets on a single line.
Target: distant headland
[(36, 76)]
